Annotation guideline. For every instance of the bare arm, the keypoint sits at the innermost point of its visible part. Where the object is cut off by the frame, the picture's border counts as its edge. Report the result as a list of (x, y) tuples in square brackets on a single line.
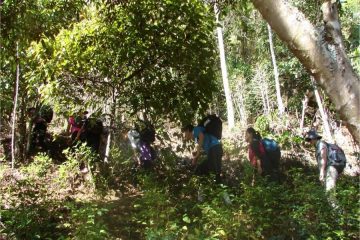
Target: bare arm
[(68, 128), (79, 133), (323, 163), (197, 153)]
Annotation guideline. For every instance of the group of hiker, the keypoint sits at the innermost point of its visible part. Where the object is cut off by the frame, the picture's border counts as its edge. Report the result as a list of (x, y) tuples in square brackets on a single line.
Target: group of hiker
[(264, 154), (80, 128)]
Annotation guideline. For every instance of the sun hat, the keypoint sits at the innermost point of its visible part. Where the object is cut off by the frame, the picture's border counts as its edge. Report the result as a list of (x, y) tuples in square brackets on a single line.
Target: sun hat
[(312, 134)]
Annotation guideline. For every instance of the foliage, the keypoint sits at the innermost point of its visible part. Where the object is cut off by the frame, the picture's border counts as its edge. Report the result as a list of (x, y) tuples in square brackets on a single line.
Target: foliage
[(85, 221), (21, 23), (80, 157), (27, 211), (273, 127), (32, 213), (264, 211), (40, 166), (166, 46)]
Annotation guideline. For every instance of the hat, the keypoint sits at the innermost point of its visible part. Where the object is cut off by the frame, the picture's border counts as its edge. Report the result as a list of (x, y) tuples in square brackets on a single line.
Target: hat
[(311, 135)]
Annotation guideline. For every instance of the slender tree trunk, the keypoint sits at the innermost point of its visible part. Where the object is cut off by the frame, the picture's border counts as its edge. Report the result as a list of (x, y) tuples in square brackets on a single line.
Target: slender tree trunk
[(242, 109), (323, 114), (322, 53), (266, 93), (276, 73), (22, 126), (263, 100), (13, 127), (241, 105), (305, 104), (112, 126), (229, 105)]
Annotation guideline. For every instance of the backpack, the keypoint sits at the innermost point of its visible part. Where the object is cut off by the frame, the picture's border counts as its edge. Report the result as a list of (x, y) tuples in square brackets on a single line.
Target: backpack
[(147, 134), (336, 157), (273, 152), (212, 125), (46, 113)]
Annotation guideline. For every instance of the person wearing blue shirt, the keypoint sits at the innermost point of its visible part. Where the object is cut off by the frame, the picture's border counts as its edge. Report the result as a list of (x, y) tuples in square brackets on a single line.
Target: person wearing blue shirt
[(212, 147)]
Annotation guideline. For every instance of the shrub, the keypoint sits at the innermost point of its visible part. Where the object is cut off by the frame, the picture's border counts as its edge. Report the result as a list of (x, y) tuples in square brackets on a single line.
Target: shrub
[(39, 167)]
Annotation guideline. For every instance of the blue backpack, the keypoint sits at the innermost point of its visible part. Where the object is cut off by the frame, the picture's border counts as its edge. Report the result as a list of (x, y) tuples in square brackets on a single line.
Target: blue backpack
[(273, 152)]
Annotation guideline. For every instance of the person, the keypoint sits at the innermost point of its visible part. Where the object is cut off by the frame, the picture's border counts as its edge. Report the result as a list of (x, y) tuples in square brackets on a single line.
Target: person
[(265, 163), (210, 145), (38, 128), (144, 153), (81, 123), (73, 127), (256, 150), (327, 174)]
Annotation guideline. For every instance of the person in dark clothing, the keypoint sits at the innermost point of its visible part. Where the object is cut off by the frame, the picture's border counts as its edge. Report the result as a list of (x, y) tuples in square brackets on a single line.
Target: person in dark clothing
[(212, 164), (212, 147), (38, 128)]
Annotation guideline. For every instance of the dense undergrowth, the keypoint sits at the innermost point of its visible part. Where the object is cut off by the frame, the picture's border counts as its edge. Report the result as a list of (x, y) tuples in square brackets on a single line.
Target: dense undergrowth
[(48, 201)]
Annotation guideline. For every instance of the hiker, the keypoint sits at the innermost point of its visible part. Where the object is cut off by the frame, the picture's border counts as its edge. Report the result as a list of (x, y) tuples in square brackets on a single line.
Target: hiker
[(37, 135), (330, 158), (212, 147), (134, 139), (74, 126), (92, 130), (207, 135), (144, 153), (264, 154), (79, 124)]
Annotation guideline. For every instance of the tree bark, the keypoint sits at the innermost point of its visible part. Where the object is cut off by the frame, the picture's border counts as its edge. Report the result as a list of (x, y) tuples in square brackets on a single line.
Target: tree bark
[(265, 106), (13, 128), (229, 105), (322, 53), (112, 126), (323, 114), (305, 104), (266, 92), (276, 73), (240, 104)]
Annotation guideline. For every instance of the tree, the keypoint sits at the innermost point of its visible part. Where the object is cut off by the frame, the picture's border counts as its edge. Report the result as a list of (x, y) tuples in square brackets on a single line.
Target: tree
[(322, 53), (21, 23), (13, 150), (276, 73), (229, 104), (159, 56)]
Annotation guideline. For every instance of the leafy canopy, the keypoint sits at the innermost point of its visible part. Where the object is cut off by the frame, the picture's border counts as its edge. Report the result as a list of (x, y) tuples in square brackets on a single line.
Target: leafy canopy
[(148, 55)]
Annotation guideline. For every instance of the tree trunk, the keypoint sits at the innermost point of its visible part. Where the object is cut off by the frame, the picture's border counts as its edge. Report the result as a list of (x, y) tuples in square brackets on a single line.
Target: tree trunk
[(305, 104), (229, 105), (276, 73), (22, 126), (266, 93), (112, 126), (240, 104), (13, 128), (323, 114), (262, 92), (322, 53)]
